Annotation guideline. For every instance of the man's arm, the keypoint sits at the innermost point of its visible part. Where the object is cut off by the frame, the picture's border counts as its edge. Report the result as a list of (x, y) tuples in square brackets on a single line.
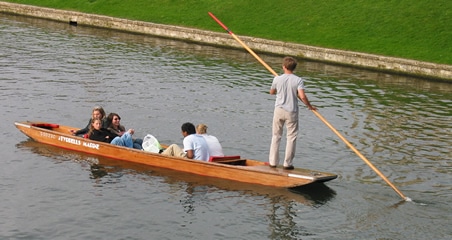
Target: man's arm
[(190, 154), (302, 96)]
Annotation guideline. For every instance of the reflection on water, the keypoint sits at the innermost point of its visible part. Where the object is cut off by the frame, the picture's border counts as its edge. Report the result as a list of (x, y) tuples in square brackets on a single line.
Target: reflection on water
[(189, 55), (280, 204), (318, 193)]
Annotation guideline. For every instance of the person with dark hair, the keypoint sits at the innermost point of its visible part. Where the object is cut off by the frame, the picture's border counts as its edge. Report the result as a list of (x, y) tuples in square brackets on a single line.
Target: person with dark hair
[(195, 146), (288, 88), (114, 126)]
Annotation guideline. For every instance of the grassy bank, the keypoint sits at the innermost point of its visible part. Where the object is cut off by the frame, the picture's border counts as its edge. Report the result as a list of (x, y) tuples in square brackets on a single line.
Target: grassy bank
[(420, 30)]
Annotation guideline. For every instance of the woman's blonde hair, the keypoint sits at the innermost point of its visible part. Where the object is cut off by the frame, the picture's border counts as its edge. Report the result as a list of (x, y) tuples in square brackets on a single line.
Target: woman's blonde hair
[(101, 110), (201, 129)]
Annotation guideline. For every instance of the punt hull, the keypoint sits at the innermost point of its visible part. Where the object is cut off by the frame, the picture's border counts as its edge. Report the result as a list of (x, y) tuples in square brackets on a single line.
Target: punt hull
[(250, 171)]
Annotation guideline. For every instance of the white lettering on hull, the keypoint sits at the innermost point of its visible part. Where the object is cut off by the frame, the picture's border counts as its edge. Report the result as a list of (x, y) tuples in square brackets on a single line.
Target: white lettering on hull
[(69, 140), (91, 145), (47, 135)]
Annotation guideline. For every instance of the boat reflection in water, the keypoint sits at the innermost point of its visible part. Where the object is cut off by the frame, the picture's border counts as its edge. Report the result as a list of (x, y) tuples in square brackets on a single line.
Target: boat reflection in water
[(312, 195)]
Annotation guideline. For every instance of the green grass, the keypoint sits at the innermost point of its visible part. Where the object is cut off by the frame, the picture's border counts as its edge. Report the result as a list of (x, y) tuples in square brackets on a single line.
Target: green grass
[(420, 30)]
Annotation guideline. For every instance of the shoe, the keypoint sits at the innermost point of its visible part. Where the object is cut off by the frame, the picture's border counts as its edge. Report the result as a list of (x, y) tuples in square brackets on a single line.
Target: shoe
[(289, 168), (272, 166)]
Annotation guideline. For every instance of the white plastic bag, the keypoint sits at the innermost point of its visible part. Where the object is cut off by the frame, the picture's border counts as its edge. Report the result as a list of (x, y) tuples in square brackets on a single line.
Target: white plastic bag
[(151, 144)]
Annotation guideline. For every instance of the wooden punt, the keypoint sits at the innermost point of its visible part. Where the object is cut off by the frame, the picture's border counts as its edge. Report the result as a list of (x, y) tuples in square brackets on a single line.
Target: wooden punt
[(232, 168)]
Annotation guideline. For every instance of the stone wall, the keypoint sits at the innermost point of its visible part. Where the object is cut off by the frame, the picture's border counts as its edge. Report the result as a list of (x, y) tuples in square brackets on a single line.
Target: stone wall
[(382, 63)]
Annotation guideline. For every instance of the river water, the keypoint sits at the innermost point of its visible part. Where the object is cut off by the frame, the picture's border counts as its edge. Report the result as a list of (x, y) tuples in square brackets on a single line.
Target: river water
[(55, 72)]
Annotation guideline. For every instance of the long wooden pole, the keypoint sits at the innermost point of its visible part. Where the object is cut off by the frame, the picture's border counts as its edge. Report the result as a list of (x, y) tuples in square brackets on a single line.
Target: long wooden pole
[(314, 111)]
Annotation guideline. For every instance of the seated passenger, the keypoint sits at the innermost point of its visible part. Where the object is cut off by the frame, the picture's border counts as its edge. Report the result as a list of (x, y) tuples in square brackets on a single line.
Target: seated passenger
[(195, 146), (214, 145), (98, 133), (114, 126), (97, 112)]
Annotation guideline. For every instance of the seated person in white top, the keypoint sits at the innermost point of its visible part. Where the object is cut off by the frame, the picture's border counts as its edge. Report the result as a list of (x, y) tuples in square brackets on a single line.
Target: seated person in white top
[(195, 146), (214, 145)]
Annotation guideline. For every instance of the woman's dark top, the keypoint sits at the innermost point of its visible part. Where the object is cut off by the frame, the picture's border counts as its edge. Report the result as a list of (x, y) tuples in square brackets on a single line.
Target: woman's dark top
[(86, 129), (102, 135), (120, 129)]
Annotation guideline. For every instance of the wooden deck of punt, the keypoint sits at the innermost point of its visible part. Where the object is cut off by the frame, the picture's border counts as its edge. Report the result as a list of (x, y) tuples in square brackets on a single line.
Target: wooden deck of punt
[(241, 170)]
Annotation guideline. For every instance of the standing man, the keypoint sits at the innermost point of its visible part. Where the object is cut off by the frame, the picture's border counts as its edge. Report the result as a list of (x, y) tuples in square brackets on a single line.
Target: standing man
[(287, 87)]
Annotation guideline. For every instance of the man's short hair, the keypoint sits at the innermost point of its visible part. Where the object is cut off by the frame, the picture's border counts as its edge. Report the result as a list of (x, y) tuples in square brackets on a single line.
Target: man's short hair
[(189, 128), (290, 63)]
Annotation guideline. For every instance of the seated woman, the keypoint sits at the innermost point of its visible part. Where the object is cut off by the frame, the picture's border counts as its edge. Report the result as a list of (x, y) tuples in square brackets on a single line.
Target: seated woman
[(98, 133), (215, 148), (114, 126), (97, 112)]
